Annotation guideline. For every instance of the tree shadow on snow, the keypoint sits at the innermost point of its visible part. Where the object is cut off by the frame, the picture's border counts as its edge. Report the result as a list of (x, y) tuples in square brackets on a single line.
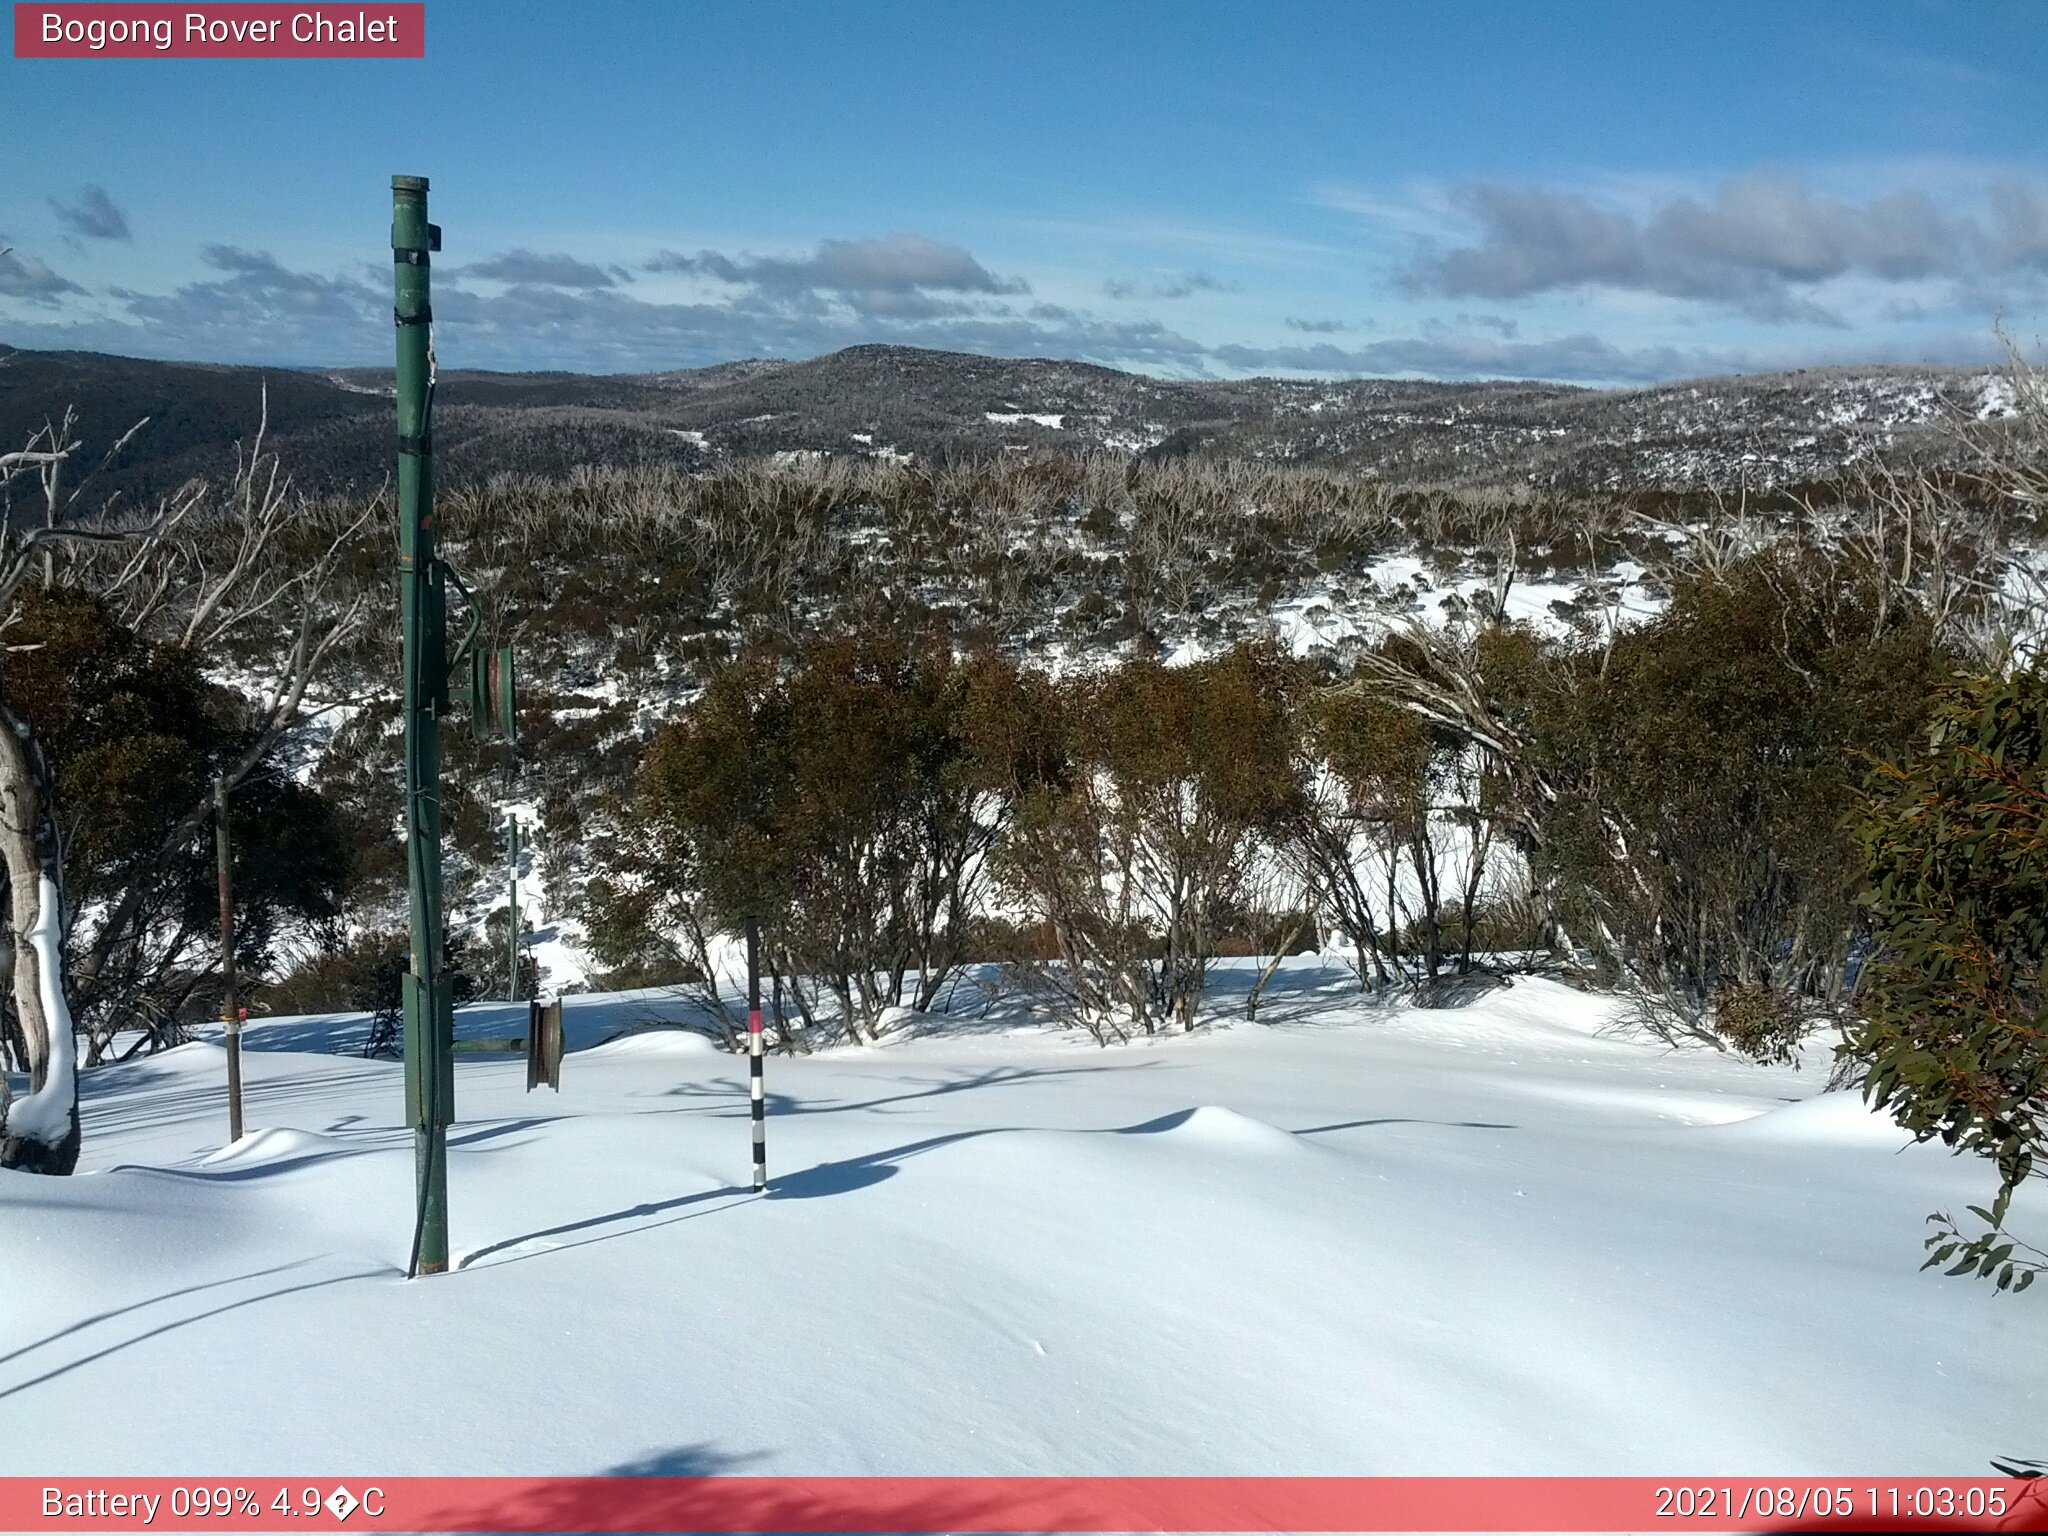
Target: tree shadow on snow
[(1354, 1125), (836, 1178), (733, 1503), (870, 1168), (842, 1176), (133, 1103), (730, 1089), (700, 1460), (568, 1508), (732, 1194), (1180, 1117), (135, 1306), (856, 1173), (359, 1144), (14, 1388), (726, 1099)]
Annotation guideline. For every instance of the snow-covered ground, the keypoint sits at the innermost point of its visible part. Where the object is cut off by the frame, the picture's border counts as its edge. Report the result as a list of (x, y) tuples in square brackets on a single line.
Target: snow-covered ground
[(1341, 1240)]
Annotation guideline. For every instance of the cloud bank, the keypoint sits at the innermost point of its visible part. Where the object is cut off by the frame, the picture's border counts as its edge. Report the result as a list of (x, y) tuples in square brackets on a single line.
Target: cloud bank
[(1760, 244), (907, 276), (1764, 245)]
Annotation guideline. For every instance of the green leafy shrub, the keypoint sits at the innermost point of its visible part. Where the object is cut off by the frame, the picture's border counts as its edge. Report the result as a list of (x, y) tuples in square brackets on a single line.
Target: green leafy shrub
[(1685, 788), (1955, 841), (1761, 1022), (134, 733)]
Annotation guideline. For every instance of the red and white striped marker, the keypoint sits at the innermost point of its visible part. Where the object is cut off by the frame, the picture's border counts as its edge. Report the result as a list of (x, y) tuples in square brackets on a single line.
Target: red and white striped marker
[(754, 1057)]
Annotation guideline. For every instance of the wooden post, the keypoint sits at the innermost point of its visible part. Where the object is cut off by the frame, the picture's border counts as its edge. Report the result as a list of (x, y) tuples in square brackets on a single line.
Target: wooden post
[(231, 1010)]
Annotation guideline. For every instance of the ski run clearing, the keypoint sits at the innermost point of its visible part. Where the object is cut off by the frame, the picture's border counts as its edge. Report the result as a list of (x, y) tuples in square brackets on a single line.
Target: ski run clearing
[(1348, 1239)]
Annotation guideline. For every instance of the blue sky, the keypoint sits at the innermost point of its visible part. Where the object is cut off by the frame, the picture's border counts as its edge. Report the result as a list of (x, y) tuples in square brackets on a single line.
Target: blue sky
[(1598, 193)]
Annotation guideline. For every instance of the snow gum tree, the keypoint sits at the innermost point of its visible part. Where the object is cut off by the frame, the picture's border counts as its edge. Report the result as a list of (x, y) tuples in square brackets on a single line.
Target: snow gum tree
[(1701, 768), (1678, 788), (106, 628), (845, 799), (1136, 855), (1364, 775), (40, 1132), (1953, 1020), (132, 733)]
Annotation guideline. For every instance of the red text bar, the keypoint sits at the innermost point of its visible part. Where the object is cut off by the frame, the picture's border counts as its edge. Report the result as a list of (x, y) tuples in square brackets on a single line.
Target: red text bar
[(999, 1504)]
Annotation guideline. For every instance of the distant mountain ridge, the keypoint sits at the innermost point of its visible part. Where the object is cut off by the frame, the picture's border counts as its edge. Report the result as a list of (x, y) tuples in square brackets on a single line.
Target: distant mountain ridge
[(333, 427)]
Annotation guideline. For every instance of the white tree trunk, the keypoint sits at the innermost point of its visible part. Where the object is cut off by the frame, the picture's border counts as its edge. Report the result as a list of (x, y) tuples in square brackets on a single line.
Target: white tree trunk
[(40, 1133)]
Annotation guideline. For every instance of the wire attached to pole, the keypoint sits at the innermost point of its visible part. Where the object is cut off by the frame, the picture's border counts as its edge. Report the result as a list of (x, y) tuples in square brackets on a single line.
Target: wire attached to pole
[(419, 1220)]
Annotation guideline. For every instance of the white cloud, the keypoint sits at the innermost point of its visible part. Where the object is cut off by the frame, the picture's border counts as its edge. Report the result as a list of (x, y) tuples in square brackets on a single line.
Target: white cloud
[(1765, 244)]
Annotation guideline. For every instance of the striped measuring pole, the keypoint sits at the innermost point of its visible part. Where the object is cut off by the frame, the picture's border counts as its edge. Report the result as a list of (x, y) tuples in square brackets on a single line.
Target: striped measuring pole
[(754, 1054)]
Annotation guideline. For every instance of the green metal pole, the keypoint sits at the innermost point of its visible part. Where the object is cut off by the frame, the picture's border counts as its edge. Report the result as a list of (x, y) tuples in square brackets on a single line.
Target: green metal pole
[(429, 1002)]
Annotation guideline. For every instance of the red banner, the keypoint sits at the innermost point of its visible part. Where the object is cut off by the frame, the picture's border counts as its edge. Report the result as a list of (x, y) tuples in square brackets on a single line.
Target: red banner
[(997, 1504), (214, 31)]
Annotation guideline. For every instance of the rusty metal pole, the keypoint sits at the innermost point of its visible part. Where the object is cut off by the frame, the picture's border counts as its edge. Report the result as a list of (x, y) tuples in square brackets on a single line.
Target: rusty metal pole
[(231, 1011)]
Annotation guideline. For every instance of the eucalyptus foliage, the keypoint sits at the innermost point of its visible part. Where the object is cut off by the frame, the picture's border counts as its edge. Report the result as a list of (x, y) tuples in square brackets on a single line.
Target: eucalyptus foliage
[(1954, 1026)]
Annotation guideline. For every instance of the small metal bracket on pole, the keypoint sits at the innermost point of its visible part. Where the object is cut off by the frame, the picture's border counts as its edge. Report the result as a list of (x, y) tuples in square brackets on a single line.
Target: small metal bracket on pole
[(231, 1009), (544, 1045), (492, 693)]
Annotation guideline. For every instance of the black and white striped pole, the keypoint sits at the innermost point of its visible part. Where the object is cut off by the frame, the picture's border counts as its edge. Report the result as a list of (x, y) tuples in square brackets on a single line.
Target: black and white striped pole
[(754, 1044)]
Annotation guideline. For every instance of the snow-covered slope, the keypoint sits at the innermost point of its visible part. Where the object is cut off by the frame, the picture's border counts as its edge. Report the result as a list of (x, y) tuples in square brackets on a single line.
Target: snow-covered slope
[(1355, 1240)]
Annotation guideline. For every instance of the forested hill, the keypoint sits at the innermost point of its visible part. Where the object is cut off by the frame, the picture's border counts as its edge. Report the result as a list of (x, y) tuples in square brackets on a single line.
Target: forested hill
[(332, 429)]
